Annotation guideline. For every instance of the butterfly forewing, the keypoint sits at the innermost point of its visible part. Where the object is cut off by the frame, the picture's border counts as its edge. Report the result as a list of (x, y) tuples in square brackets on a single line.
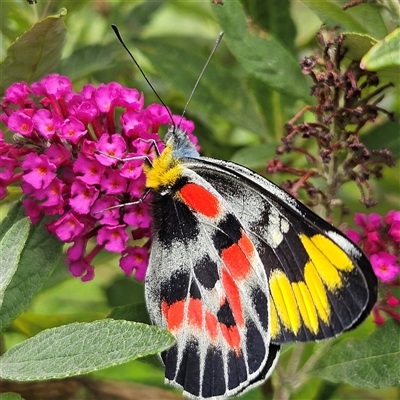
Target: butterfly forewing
[(320, 283), (206, 284)]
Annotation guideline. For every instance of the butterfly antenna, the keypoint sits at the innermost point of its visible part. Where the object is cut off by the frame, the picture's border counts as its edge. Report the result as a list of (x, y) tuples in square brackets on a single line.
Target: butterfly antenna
[(116, 31), (217, 42)]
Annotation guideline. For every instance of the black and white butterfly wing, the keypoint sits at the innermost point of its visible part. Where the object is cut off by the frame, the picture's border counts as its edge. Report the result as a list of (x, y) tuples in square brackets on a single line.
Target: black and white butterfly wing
[(320, 282), (205, 283)]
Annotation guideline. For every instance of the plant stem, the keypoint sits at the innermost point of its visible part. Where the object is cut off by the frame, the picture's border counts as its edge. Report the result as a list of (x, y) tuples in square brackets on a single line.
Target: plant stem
[(281, 393)]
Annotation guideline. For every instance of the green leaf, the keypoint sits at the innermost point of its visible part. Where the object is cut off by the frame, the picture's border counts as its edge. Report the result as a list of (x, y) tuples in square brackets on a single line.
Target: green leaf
[(137, 313), (73, 6), (81, 348), (35, 53), (125, 290), (261, 55), (37, 260), (10, 396), (370, 363), (31, 323), (255, 157), (357, 44), (277, 108), (309, 390), (275, 18), (131, 312), (365, 18), (384, 136), (220, 93), (393, 8), (142, 14), (88, 60), (59, 274), (361, 47), (15, 213), (11, 246), (385, 53)]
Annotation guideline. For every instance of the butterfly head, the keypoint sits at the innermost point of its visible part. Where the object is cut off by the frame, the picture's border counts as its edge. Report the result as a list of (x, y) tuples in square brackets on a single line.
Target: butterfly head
[(179, 141), (167, 168)]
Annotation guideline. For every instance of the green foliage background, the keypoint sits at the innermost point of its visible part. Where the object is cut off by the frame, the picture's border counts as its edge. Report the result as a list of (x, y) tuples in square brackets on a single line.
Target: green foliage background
[(251, 88)]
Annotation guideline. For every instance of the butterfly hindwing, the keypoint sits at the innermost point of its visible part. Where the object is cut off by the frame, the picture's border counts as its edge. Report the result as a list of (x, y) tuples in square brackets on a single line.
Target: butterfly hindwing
[(206, 284), (320, 283)]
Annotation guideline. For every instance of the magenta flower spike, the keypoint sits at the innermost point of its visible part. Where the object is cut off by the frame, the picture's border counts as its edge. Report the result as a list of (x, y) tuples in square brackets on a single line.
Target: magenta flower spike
[(67, 157), (380, 239)]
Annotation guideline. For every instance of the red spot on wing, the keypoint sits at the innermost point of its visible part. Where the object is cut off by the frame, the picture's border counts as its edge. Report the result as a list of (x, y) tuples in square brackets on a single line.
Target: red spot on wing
[(195, 312), (231, 336), (237, 257), (246, 245), (212, 325), (200, 200), (233, 295), (173, 314)]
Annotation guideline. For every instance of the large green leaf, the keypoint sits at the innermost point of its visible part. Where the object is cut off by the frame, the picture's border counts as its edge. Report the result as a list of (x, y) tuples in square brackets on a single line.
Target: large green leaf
[(357, 44), (381, 56), (35, 53), (277, 108), (11, 246), (256, 156), (220, 92), (131, 312), (80, 348), (385, 53), (88, 60), (261, 55), (15, 213), (365, 18), (137, 313), (384, 136), (31, 324), (37, 260), (274, 17), (141, 14), (369, 363), (14, 19)]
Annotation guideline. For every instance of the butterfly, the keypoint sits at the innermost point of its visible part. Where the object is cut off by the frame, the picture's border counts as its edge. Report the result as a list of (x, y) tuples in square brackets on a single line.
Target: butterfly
[(239, 267)]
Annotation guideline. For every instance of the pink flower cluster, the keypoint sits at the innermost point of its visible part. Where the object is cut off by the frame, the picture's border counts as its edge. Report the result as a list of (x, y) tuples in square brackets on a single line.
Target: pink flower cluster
[(380, 239), (55, 158)]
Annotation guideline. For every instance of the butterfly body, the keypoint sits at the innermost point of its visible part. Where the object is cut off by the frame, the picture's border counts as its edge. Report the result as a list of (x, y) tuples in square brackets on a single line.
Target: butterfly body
[(239, 267)]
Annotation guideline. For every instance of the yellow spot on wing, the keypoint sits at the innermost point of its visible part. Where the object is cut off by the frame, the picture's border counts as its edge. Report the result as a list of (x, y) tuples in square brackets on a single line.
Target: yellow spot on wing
[(336, 255), (164, 172), (293, 304), (319, 256), (274, 320), (306, 306), (317, 291), (285, 301)]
